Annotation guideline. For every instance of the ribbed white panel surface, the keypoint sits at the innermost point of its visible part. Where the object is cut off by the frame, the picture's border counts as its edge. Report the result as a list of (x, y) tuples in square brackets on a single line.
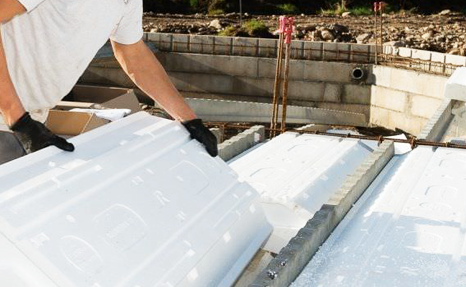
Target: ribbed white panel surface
[(408, 229), (295, 175), (138, 204)]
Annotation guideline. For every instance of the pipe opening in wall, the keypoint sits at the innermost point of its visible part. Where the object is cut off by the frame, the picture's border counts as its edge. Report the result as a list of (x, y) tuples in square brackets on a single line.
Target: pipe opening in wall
[(358, 73)]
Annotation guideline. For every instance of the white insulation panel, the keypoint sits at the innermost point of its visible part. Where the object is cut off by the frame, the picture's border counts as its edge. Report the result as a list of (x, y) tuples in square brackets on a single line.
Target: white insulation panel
[(295, 175), (455, 87), (138, 204), (408, 229)]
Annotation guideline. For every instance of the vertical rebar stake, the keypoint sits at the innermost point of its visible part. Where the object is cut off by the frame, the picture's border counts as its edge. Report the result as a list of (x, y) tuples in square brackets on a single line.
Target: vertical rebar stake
[(381, 4), (278, 72), (288, 36), (375, 31), (285, 86)]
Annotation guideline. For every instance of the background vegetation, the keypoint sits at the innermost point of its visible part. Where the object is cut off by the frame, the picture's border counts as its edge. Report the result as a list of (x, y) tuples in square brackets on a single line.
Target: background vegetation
[(358, 7)]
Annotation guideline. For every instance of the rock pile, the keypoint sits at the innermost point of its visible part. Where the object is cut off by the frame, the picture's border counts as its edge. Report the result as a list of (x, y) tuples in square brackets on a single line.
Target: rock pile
[(445, 32)]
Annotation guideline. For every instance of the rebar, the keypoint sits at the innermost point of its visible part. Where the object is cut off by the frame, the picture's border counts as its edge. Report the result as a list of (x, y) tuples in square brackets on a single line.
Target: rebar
[(285, 86), (278, 73), (344, 55), (412, 141), (375, 32)]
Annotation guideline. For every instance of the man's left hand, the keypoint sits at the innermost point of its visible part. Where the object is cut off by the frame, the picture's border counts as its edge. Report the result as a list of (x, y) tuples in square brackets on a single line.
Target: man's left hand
[(203, 135)]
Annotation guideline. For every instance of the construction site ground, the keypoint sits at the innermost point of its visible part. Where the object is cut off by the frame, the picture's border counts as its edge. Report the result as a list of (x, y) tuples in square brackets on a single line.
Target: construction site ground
[(441, 33)]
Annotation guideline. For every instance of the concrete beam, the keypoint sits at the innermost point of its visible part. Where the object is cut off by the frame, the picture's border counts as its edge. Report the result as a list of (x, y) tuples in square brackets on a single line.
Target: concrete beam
[(218, 134), (438, 123), (232, 111), (292, 259), (241, 142)]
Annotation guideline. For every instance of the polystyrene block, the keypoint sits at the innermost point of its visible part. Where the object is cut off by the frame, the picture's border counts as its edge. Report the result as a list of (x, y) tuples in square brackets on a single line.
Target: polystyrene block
[(138, 204), (408, 229), (455, 87), (295, 175)]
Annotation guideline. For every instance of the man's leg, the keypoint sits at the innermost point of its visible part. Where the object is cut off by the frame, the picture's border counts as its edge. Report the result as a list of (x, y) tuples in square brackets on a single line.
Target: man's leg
[(10, 148)]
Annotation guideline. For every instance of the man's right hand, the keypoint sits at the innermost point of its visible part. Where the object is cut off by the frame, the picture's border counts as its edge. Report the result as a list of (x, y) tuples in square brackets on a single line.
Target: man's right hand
[(34, 135)]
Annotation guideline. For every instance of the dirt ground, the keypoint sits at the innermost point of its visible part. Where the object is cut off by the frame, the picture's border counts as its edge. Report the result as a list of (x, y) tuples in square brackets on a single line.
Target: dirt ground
[(442, 33)]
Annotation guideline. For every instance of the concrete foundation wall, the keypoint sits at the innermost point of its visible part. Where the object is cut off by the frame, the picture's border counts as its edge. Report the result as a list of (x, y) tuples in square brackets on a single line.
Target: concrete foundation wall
[(404, 99), (389, 97), (312, 83), (251, 78)]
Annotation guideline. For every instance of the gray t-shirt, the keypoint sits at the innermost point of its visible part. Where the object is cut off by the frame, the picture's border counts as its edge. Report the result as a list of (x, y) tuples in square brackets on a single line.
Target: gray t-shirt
[(49, 47)]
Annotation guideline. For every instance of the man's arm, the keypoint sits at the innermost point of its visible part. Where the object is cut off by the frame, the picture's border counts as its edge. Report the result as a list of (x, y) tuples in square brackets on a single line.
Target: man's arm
[(9, 9), (32, 135), (10, 104), (144, 69), (138, 61)]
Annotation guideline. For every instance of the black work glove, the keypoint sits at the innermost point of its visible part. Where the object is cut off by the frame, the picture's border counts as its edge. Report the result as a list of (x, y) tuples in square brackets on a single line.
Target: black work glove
[(203, 135), (34, 136)]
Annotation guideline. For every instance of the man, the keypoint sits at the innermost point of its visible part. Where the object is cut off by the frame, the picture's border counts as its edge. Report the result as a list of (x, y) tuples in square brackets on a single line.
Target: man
[(46, 45)]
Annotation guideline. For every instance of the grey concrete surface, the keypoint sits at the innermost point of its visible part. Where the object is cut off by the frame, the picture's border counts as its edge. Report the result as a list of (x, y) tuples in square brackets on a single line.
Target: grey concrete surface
[(218, 134), (390, 97), (291, 260), (250, 78), (322, 51), (455, 130), (438, 124), (235, 111), (406, 100), (241, 142)]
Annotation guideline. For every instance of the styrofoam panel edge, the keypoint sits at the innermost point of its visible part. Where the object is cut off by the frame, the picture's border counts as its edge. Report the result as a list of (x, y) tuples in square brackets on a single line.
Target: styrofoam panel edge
[(455, 87), (45, 153), (28, 274)]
